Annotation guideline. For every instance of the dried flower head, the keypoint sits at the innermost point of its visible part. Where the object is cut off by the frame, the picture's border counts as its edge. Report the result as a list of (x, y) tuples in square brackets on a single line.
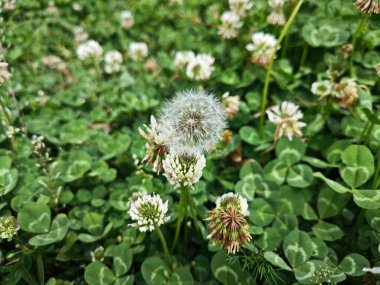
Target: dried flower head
[(183, 170), (200, 67), (240, 7), (192, 122), (80, 34), (276, 17), (227, 222), (182, 58), (9, 5), (4, 73), (89, 49), (321, 88), (148, 211), (262, 47), (287, 118), (231, 104), (8, 227), (138, 51), (345, 92), (230, 25), (156, 150), (54, 62), (368, 6), (151, 65), (126, 19), (113, 60)]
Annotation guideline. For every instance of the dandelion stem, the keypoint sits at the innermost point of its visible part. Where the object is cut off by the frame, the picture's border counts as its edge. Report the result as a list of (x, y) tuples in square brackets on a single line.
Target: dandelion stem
[(181, 210), (164, 244), (354, 38), (270, 66)]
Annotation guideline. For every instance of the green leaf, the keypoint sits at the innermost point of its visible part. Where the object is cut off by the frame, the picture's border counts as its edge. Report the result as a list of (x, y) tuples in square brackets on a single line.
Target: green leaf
[(327, 231), (353, 264), (119, 200), (332, 184), (34, 218), (300, 176), (8, 180), (314, 271), (367, 199), (97, 273), (154, 270), (330, 203), (181, 276), (57, 232), (270, 239), (276, 171), (290, 152), (373, 219), (261, 213), (93, 223), (122, 258), (249, 135), (298, 247), (245, 188), (276, 260)]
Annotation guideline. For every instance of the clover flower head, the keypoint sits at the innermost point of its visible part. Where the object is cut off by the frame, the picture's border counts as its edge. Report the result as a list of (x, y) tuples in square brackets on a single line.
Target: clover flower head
[(113, 60), (240, 7), (368, 7), (126, 19), (182, 58), (231, 104), (89, 49), (148, 211), (8, 227), (230, 25), (275, 4), (4, 73), (55, 63), (80, 34), (321, 88), (97, 254), (287, 118), (377, 67), (200, 67), (345, 92), (262, 47), (183, 170), (227, 222), (192, 122), (156, 150), (9, 5), (276, 18), (138, 51)]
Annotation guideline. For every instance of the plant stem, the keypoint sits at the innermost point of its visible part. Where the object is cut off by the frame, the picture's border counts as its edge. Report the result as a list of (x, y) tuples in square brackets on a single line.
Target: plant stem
[(181, 210), (304, 54), (164, 244), (353, 43), (270, 65), (6, 117), (193, 210)]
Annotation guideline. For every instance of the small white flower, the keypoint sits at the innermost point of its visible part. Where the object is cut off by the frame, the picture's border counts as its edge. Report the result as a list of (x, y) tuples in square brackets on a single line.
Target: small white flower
[(89, 49), (240, 7), (138, 51), (8, 227), (4, 73), (113, 60), (148, 211), (182, 58), (97, 254), (126, 19), (200, 67), (231, 104), (262, 47), (276, 17), (80, 34), (230, 25), (192, 122), (321, 88), (276, 4), (9, 5), (183, 170), (235, 199), (286, 116), (374, 270)]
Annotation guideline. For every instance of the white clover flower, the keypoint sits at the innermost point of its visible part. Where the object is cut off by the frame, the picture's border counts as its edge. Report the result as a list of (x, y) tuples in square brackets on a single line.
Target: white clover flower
[(80, 34), (235, 199), (240, 7), (321, 88), (286, 116), (9, 5), (275, 4), (148, 211), (183, 170), (345, 92), (8, 227), (113, 60), (276, 17), (192, 122), (231, 104), (182, 58), (230, 25), (4, 73), (89, 49), (54, 62), (138, 51), (200, 67), (126, 19), (262, 47)]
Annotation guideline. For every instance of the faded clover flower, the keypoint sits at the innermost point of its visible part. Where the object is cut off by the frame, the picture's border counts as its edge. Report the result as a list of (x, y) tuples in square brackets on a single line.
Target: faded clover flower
[(200, 67), (80, 34), (89, 49), (37, 143), (8, 227), (182, 58), (183, 170), (113, 60), (138, 51), (287, 118), (97, 254), (240, 7), (148, 211), (126, 19), (9, 5), (192, 122), (276, 17), (54, 62), (368, 6), (377, 69), (262, 47), (230, 25), (231, 104), (345, 92), (4, 73), (155, 148), (227, 222), (321, 88)]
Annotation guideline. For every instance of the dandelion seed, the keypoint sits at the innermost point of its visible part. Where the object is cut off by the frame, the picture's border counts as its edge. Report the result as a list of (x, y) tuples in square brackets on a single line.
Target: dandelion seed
[(230, 25), (89, 49), (126, 19), (138, 51), (8, 227), (200, 67), (113, 60), (262, 47)]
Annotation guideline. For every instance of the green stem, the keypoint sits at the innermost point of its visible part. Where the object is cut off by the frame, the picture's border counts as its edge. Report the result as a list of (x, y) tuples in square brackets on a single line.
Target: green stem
[(193, 210), (377, 170), (270, 65), (353, 43), (181, 210), (304, 54), (164, 244), (6, 117)]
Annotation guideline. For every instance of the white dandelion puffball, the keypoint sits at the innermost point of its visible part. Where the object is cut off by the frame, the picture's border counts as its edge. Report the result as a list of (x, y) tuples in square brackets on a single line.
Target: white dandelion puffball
[(200, 67), (147, 211), (182, 58), (89, 49), (183, 170), (262, 47), (287, 117), (192, 122), (138, 51), (235, 199), (321, 88), (240, 7), (113, 60), (230, 25), (126, 19)]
